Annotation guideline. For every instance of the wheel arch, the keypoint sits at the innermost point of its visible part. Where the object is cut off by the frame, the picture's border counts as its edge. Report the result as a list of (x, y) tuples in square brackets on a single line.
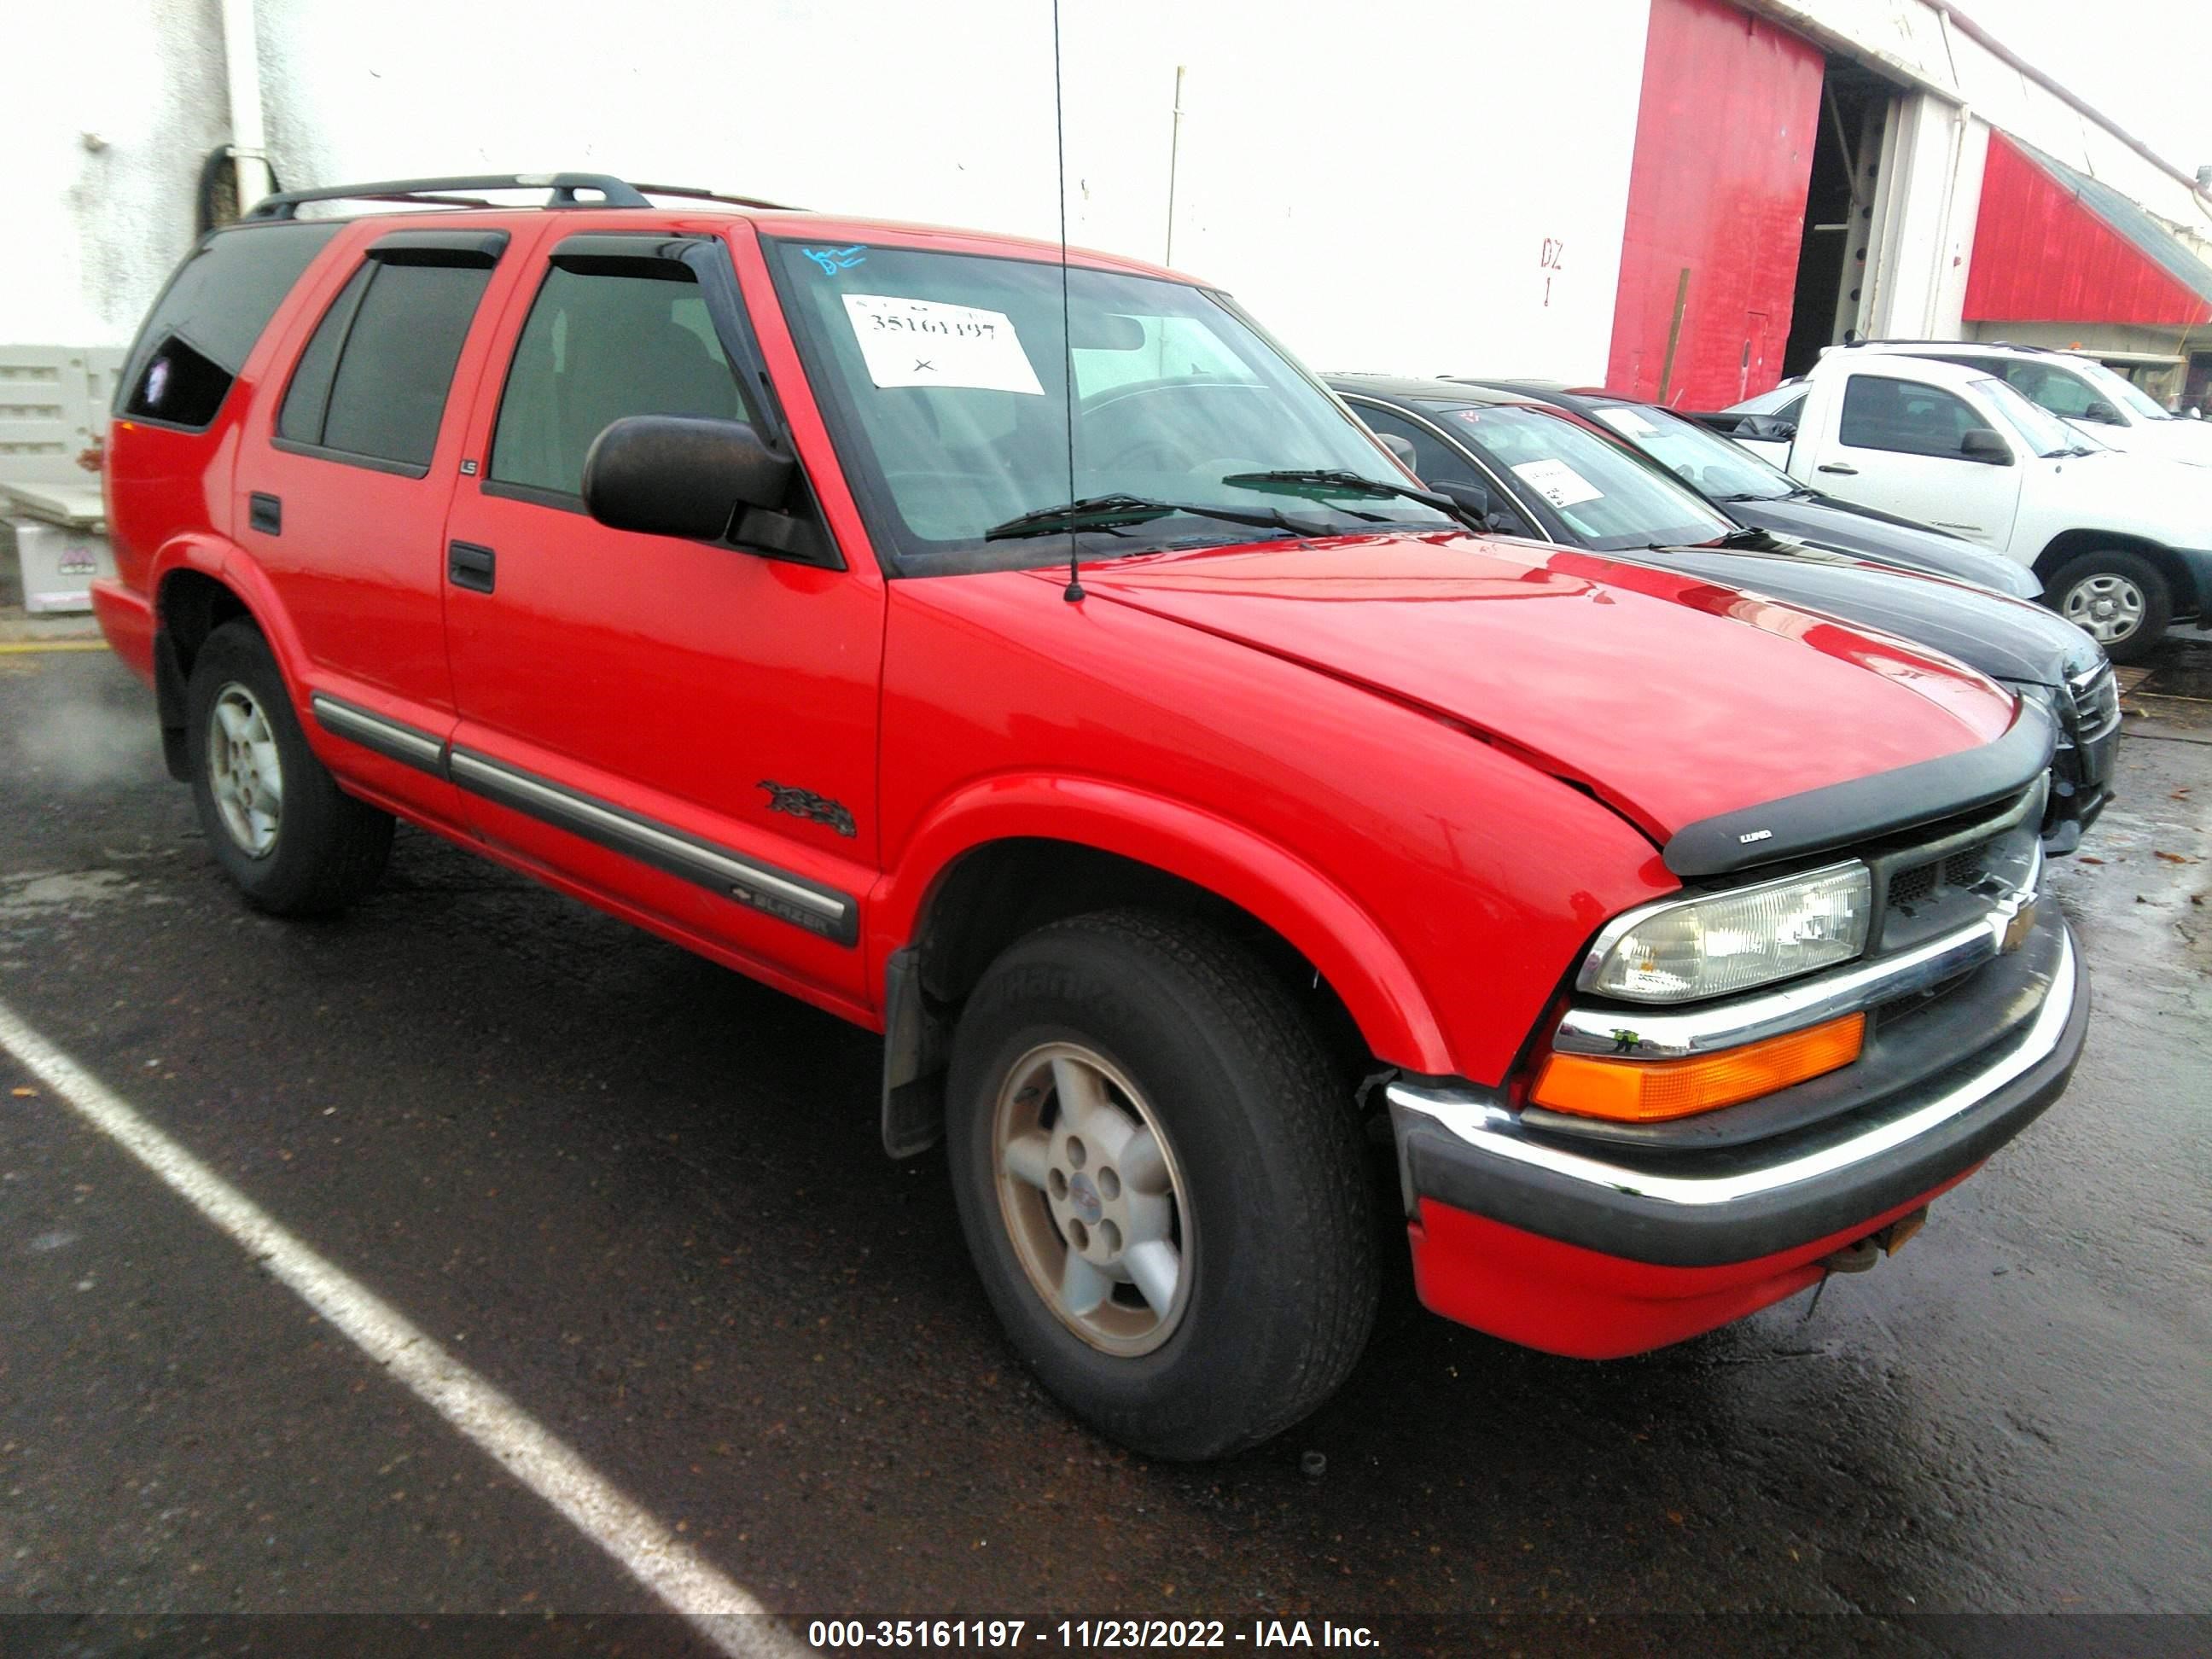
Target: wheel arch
[(1014, 854), (2070, 545)]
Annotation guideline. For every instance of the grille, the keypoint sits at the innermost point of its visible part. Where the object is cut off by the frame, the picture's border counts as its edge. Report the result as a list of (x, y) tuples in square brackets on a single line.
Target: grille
[(1963, 869), (2096, 702), (1910, 887)]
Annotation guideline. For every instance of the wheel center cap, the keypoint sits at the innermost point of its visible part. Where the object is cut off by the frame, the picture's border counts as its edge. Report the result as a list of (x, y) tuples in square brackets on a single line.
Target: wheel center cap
[(1082, 1198), (2104, 610)]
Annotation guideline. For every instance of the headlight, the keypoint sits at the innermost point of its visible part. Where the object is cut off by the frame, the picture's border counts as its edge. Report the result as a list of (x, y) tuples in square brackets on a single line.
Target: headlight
[(1687, 949)]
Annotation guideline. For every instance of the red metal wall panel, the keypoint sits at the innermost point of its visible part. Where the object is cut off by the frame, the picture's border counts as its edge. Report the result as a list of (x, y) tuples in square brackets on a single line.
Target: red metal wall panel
[(1723, 150), (2041, 256)]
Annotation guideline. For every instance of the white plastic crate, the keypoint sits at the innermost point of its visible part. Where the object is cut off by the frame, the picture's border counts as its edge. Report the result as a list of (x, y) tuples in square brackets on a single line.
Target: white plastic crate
[(58, 565)]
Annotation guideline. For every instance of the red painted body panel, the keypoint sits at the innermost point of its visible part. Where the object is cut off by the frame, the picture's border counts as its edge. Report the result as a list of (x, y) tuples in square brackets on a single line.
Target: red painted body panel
[(2040, 256), (1724, 140), (1609, 673), (1567, 1300)]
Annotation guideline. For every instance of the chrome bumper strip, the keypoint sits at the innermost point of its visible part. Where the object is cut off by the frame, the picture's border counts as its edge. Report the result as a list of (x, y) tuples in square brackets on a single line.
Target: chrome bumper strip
[(1488, 1127), (1636, 1034), (785, 895)]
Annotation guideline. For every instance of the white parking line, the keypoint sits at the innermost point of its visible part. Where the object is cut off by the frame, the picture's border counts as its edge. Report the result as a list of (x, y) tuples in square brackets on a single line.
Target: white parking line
[(728, 1618)]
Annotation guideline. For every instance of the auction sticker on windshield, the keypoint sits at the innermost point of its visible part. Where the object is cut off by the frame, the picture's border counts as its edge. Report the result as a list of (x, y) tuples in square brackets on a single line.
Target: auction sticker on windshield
[(1626, 421), (1558, 482), (925, 343)]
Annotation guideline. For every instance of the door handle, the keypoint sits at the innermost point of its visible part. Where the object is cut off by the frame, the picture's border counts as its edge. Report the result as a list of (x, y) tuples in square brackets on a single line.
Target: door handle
[(470, 566), (265, 514), (1837, 466)]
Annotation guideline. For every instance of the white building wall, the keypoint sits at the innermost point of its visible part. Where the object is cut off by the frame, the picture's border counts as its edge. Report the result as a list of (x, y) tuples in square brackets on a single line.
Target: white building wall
[(1380, 188), (108, 108), (1928, 194)]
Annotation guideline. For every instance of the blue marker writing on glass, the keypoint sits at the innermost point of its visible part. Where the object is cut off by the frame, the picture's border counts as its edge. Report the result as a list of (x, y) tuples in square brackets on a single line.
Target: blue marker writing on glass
[(835, 259)]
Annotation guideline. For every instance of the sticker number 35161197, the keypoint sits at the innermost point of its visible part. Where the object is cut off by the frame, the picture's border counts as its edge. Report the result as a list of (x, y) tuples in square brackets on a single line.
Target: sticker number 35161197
[(927, 342)]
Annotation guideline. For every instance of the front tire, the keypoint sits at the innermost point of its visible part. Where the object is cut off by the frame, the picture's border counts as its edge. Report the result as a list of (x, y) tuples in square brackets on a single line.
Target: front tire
[(2119, 598), (1161, 1183), (295, 843)]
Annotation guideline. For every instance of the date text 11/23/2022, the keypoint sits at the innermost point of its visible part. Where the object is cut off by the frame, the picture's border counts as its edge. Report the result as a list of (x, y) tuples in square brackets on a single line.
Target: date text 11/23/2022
[(1084, 1635)]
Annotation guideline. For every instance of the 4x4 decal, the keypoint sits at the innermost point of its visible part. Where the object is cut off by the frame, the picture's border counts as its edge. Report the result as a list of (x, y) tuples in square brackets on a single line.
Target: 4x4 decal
[(805, 804)]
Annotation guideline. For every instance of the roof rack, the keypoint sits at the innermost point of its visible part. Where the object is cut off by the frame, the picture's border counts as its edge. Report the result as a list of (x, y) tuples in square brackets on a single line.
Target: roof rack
[(444, 192), (2009, 345)]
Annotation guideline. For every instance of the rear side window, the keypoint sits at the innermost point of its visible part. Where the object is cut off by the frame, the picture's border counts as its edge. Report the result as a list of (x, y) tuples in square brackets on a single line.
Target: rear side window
[(599, 346), (196, 337), (371, 386)]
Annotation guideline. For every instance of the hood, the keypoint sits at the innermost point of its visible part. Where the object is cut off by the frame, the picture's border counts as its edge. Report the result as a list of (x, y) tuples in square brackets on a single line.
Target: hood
[(2005, 638), (1671, 697), (2171, 440), (2130, 491), (1869, 533)]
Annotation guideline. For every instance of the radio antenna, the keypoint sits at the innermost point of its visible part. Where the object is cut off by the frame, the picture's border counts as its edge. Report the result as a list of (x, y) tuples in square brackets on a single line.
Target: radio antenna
[(1074, 591)]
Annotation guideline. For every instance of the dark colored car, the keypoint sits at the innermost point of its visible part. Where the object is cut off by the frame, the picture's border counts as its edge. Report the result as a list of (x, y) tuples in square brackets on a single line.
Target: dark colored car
[(1549, 473), (1755, 492)]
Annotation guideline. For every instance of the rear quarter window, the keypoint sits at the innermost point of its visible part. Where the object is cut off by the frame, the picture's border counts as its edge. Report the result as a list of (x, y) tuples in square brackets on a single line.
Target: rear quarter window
[(197, 336)]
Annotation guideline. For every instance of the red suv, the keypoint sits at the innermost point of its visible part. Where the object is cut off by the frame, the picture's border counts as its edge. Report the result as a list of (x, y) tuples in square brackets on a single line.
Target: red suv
[(1028, 660)]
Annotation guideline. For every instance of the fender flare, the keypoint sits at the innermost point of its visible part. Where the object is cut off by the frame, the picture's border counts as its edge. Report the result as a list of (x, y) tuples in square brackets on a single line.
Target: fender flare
[(224, 561), (1341, 940)]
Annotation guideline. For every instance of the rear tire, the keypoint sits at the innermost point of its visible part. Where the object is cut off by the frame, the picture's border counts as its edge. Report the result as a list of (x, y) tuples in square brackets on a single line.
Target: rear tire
[(295, 843), (1135, 1090), (2119, 598)]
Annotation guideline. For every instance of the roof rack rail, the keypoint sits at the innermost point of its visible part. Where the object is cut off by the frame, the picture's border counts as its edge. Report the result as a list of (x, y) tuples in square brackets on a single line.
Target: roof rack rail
[(285, 204), (692, 193)]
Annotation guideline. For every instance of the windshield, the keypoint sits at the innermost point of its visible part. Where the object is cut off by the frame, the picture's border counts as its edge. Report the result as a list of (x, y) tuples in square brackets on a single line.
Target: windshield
[(2121, 391), (1700, 457), (943, 377), (1609, 498), (2038, 427)]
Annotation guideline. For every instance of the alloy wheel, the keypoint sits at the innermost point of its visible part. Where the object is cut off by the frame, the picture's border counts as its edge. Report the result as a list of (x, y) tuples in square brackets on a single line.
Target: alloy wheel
[(246, 774), (2108, 608), (1092, 1199)]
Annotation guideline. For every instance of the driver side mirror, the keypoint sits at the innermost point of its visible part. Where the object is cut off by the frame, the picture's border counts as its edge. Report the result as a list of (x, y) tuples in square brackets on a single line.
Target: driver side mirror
[(679, 475), (1981, 443), (2102, 413)]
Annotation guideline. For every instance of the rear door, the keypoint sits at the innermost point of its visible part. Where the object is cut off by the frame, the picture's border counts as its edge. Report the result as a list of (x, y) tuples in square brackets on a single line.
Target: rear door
[(342, 485), (686, 728), (1895, 444)]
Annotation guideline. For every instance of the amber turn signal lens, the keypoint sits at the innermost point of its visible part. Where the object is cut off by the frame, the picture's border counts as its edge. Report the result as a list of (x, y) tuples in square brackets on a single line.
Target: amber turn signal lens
[(1653, 1091)]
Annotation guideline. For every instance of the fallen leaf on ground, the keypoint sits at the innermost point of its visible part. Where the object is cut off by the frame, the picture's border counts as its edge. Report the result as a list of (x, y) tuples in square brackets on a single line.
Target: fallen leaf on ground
[(2171, 858), (2086, 859)]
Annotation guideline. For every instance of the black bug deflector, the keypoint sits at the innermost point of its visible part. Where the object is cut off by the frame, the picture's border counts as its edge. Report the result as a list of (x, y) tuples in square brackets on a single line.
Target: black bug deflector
[(1865, 809)]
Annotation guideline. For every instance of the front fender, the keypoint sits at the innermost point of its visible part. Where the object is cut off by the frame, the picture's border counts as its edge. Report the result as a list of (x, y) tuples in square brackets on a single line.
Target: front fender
[(1341, 940)]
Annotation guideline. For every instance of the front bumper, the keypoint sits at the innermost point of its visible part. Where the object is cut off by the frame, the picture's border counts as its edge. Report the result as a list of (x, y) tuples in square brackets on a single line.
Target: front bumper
[(1597, 1246)]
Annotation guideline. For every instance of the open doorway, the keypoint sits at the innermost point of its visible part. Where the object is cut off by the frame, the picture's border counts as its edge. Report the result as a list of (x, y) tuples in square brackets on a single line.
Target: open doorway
[(1838, 245)]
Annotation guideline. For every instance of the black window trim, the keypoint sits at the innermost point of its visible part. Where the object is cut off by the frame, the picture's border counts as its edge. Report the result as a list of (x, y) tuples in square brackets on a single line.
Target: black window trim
[(709, 260), (472, 250)]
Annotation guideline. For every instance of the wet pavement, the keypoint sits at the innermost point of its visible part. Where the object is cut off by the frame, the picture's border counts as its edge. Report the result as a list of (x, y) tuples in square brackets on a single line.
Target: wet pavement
[(645, 1198)]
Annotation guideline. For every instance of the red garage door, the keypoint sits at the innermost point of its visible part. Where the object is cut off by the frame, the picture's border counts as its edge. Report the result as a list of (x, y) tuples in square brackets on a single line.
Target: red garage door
[(1724, 149)]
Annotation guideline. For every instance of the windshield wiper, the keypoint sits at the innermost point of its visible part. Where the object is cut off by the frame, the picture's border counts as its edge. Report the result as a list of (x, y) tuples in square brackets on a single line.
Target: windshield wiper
[(1324, 479), (1115, 512), (1754, 496)]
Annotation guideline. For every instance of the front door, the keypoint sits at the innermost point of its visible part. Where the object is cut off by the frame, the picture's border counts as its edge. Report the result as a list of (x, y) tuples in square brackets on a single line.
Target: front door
[(684, 729), (1898, 445)]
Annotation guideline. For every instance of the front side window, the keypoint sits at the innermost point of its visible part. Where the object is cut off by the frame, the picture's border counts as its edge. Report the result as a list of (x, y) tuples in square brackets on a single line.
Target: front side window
[(1435, 462), (2061, 393), (947, 379), (371, 385), (599, 347), (1905, 416)]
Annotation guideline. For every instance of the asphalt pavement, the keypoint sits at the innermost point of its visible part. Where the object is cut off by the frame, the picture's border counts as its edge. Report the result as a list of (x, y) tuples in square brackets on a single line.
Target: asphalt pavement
[(643, 1198)]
